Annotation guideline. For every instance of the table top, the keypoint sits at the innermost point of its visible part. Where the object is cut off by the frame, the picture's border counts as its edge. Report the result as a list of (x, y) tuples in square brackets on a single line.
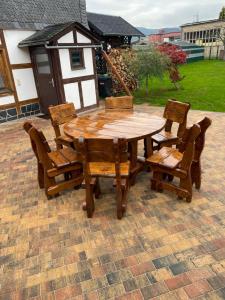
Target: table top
[(131, 125)]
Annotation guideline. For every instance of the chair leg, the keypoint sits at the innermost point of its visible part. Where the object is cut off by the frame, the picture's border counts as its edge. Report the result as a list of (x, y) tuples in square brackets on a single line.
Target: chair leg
[(119, 201), (40, 175), (125, 195), (153, 181), (97, 189), (90, 206), (186, 184), (196, 174), (156, 181), (48, 182)]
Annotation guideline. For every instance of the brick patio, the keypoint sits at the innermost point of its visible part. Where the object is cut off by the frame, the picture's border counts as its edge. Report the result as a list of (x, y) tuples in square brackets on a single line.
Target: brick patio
[(162, 249)]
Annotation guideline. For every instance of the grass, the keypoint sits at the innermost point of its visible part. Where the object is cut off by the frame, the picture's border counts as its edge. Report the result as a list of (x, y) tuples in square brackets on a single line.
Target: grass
[(203, 86)]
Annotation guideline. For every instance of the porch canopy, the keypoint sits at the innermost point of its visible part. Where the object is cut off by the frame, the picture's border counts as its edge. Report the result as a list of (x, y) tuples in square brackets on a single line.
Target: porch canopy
[(53, 33)]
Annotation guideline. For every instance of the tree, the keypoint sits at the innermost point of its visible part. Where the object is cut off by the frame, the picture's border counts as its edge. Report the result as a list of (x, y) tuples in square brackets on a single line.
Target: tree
[(222, 14), (221, 36), (147, 63), (177, 57)]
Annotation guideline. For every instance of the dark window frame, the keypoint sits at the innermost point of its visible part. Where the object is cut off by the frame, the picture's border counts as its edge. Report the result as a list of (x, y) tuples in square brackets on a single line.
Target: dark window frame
[(81, 53)]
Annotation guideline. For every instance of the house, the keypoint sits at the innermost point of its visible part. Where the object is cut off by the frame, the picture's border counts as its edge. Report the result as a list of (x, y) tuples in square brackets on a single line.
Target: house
[(112, 30), (47, 57), (163, 36), (205, 33)]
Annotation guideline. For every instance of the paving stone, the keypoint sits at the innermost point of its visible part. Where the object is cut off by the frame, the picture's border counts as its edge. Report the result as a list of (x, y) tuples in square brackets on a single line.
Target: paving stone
[(113, 278), (154, 290), (217, 282), (142, 268), (164, 261), (197, 288), (179, 268), (177, 282), (50, 250)]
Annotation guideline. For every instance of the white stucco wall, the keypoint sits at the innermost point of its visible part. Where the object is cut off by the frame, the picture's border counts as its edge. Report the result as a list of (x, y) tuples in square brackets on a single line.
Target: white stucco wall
[(82, 39), (23, 78), (12, 39), (67, 38), (25, 84), (89, 92), (72, 94), (66, 67), (6, 100)]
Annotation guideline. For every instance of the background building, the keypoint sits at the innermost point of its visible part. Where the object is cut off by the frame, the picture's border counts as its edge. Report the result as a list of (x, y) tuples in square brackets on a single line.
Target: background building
[(163, 36), (205, 33)]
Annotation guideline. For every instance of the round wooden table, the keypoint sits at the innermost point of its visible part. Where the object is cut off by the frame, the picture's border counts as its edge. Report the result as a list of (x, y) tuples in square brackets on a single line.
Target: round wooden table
[(131, 125)]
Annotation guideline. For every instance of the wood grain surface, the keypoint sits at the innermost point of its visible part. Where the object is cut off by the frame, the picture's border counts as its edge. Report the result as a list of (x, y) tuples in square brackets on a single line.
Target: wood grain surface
[(131, 125)]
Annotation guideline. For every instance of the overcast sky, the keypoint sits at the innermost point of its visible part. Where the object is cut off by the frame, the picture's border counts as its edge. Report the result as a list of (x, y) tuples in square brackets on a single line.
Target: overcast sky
[(158, 13)]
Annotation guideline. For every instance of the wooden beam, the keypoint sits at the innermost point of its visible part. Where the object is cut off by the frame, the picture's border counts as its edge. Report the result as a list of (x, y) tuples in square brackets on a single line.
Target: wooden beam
[(10, 73), (114, 70), (21, 66)]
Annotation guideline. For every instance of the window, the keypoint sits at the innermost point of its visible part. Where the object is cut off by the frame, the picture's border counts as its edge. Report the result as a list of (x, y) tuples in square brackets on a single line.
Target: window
[(5, 83), (77, 59), (42, 62)]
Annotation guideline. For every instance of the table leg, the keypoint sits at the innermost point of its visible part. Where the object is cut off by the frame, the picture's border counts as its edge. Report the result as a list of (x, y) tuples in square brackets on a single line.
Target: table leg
[(135, 167), (148, 146)]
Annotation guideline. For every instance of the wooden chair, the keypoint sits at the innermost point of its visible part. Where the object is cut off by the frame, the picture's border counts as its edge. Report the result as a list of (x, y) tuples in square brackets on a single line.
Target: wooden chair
[(54, 163), (119, 103), (175, 112), (176, 163), (27, 126), (60, 114), (104, 158), (199, 146)]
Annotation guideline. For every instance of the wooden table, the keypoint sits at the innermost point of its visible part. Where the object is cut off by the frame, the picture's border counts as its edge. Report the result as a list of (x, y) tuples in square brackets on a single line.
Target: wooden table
[(132, 125)]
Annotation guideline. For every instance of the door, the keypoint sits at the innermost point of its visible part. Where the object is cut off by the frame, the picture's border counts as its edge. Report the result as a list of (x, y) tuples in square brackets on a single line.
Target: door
[(44, 78)]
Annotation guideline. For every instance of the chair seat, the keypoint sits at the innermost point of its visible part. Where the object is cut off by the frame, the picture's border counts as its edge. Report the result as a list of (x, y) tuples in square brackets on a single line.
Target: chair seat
[(164, 136), (64, 157), (166, 157), (108, 169)]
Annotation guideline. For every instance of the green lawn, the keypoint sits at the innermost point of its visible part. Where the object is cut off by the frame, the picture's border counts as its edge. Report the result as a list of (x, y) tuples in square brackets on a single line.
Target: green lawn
[(203, 86)]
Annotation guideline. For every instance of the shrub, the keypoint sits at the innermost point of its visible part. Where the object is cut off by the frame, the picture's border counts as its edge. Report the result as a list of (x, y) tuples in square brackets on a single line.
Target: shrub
[(147, 63)]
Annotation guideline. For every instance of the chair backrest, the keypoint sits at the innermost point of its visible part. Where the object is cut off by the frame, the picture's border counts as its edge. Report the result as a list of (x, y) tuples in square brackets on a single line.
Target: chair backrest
[(119, 103), (200, 141), (60, 114), (176, 111), (39, 145), (187, 146), (102, 150), (27, 126)]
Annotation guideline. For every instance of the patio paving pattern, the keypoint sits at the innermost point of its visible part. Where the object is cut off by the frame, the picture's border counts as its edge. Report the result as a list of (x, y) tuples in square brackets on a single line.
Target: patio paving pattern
[(163, 248)]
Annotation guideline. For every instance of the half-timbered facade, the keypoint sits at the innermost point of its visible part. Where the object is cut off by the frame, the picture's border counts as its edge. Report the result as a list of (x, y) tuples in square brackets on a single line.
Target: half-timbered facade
[(46, 58)]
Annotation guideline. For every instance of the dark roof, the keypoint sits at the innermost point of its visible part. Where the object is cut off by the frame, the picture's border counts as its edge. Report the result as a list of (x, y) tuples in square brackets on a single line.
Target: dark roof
[(47, 34), (106, 25), (202, 22), (36, 14)]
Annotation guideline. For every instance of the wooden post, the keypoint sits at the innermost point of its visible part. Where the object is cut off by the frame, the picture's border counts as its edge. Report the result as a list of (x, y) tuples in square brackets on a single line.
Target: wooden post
[(114, 70)]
